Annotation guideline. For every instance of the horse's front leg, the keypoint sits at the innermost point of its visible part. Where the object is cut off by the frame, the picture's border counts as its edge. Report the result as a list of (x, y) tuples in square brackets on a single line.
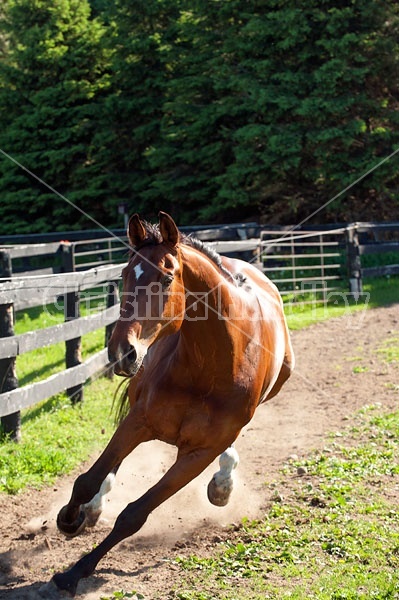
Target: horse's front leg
[(132, 518), (89, 487)]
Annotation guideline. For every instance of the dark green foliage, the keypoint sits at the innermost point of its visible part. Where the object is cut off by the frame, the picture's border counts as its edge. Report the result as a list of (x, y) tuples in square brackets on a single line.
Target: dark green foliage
[(53, 75), (278, 106), (129, 118), (215, 111)]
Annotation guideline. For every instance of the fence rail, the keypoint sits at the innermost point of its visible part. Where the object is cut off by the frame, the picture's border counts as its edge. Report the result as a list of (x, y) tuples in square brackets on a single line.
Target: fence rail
[(314, 262), (62, 332), (24, 397), (43, 290)]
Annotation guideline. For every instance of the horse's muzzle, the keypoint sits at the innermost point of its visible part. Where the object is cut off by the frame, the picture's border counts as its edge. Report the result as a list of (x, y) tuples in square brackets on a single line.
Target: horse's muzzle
[(126, 362)]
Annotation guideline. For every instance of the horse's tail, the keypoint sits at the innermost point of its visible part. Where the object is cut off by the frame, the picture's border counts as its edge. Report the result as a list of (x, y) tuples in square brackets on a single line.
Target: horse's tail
[(120, 403)]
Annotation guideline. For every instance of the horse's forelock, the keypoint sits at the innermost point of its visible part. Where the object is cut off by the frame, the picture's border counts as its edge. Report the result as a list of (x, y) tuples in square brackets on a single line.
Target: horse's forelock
[(153, 236)]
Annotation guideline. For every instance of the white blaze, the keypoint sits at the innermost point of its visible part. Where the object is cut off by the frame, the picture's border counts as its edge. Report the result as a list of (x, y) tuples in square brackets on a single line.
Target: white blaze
[(138, 271)]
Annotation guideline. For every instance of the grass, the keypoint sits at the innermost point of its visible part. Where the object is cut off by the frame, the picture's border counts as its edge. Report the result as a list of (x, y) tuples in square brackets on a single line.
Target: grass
[(44, 362), (376, 292), (389, 351), (122, 595), (57, 437), (334, 537)]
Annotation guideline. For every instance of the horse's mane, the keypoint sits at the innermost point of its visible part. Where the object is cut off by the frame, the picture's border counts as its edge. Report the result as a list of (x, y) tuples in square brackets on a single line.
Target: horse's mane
[(193, 242), (154, 237)]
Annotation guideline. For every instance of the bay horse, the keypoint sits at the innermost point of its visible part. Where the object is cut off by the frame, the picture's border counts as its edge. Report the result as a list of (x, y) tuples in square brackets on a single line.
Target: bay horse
[(203, 340)]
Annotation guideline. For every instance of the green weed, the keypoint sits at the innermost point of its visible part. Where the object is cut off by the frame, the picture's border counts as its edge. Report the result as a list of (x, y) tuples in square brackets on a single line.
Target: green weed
[(121, 595), (360, 369), (336, 536), (389, 351)]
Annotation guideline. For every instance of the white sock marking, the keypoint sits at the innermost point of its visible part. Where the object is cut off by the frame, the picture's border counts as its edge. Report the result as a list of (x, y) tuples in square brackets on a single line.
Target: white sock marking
[(228, 461), (95, 506)]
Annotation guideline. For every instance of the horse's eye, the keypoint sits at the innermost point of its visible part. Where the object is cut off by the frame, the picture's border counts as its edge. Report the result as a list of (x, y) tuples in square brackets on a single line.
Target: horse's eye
[(166, 281)]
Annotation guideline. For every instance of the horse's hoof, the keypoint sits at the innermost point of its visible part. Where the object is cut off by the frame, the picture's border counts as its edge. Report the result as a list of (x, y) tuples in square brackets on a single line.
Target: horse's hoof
[(64, 584), (219, 493), (71, 529), (49, 591)]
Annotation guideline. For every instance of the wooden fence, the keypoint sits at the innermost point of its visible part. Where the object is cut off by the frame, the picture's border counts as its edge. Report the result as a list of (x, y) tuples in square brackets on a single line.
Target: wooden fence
[(370, 239), (305, 265), (21, 293)]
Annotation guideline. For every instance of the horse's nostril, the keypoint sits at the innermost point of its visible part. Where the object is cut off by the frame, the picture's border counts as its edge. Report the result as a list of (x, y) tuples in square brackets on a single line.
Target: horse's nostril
[(131, 355)]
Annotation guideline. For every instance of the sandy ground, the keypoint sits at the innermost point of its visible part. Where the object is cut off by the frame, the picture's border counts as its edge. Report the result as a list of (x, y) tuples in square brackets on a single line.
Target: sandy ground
[(321, 396)]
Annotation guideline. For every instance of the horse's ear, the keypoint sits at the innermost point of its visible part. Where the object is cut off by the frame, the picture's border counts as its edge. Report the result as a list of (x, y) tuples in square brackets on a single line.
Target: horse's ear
[(136, 231), (168, 229)]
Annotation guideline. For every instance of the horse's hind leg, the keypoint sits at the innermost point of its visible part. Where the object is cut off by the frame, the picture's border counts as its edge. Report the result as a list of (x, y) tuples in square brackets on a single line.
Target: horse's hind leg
[(221, 484)]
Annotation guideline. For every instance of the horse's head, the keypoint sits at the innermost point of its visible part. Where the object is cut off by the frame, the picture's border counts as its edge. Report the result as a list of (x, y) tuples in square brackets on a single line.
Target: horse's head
[(152, 302)]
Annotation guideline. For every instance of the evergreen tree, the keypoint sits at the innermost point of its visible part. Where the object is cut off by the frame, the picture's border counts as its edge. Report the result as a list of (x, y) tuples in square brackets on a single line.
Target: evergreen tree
[(191, 153), (3, 40), (212, 110), (277, 106), (52, 75), (129, 117)]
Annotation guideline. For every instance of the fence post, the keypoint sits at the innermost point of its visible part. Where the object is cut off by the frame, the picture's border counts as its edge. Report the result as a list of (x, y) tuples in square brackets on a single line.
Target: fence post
[(11, 424), (354, 261), (73, 348)]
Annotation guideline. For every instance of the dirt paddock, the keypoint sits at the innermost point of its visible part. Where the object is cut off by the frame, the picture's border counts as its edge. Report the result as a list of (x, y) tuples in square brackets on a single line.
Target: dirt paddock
[(325, 391)]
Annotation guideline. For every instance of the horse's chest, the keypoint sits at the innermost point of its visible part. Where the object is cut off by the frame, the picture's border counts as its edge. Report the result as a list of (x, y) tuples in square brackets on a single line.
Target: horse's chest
[(168, 409)]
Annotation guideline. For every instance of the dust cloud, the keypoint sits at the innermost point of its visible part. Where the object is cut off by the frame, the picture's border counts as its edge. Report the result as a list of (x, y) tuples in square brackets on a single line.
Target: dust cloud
[(187, 510)]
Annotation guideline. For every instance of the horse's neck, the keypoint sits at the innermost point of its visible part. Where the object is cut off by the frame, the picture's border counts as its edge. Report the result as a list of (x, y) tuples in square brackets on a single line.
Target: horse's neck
[(207, 294), (203, 278)]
